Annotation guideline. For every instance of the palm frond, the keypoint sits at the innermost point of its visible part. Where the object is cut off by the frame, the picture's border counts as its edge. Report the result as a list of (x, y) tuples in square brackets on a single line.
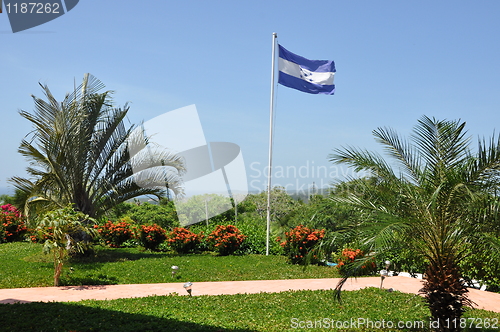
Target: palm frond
[(400, 150)]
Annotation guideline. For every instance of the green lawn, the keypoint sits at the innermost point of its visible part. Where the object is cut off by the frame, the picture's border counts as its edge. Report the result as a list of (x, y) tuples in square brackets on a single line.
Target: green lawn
[(24, 265), (243, 312)]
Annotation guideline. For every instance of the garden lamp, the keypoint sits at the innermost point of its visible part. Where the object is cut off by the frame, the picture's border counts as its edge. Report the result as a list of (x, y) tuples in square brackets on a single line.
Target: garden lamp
[(175, 268), (188, 286), (384, 273)]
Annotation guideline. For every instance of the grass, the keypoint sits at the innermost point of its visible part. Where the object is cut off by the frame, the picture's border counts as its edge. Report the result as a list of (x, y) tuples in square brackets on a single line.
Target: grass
[(24, 265), (284, 311)]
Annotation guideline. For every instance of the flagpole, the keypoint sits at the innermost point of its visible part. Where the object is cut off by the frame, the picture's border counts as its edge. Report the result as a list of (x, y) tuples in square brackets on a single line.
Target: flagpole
[(269, 171)]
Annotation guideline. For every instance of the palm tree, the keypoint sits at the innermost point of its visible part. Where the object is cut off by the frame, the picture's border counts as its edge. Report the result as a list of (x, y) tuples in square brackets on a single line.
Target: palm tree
[(80, 153), (435, 194)]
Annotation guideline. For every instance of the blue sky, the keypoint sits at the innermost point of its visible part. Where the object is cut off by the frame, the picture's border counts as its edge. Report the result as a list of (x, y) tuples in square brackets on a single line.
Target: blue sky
[(396, 61)]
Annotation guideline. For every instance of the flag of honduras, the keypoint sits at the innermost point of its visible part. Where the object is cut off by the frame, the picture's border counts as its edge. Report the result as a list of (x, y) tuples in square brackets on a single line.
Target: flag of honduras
[(311, 76)]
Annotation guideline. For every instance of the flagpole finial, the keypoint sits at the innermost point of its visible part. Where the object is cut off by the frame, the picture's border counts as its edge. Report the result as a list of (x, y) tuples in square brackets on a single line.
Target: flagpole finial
[(275, 35)]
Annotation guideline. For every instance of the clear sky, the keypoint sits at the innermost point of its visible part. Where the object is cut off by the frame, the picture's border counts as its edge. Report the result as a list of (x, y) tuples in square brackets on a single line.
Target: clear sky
[(396, 61)]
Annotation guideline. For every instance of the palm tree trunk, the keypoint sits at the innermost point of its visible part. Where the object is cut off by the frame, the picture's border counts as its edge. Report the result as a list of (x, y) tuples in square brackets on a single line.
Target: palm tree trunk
[(446, 296)]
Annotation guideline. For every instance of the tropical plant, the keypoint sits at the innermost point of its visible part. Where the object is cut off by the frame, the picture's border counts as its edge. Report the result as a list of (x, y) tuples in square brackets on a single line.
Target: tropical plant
[(115, 234), (435, 203), (300, 242), (80, 153), (63, 223), (184, 241), (226, 239)]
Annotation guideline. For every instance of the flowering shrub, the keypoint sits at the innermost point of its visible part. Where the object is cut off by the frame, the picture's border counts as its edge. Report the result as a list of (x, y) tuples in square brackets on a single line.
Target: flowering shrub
[(226, 239), (183, 240), (114, 235), (350, 255), (12, 226), (299, 242), (152, 236)]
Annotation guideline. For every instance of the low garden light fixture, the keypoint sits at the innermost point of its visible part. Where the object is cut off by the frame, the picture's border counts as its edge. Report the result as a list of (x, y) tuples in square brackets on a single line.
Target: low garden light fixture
[(188, 288), (384, 273), (175, 268)]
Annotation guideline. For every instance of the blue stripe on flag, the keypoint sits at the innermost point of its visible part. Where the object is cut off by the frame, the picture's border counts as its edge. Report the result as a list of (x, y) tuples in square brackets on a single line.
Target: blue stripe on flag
[(299, 84), (312, 65)]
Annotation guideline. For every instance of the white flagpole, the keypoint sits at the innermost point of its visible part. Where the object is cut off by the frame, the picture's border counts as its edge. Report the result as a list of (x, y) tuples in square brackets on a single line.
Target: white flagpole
[(269, 172)]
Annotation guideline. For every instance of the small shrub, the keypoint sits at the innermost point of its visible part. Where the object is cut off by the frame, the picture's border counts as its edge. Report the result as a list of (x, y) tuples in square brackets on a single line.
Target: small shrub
[(12, 226), (64, 222), (348, 256), (152, 236), (225, 240), (115, 234), (300, 242), (183, 240)]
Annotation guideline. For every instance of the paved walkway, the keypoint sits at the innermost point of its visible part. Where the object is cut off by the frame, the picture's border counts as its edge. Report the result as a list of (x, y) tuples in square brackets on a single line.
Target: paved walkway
[(484, 300)]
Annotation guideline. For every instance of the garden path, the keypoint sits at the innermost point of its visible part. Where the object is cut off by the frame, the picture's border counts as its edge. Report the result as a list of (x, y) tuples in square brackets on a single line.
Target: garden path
[(483, 299)]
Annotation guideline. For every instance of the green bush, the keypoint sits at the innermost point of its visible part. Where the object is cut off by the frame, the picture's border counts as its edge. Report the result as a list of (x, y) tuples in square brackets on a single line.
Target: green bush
[(404, 260), (482, 266), (163, 215)]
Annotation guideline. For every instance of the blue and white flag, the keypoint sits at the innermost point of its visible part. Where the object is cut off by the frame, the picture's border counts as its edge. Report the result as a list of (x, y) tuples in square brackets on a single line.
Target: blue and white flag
[(311, 76)]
